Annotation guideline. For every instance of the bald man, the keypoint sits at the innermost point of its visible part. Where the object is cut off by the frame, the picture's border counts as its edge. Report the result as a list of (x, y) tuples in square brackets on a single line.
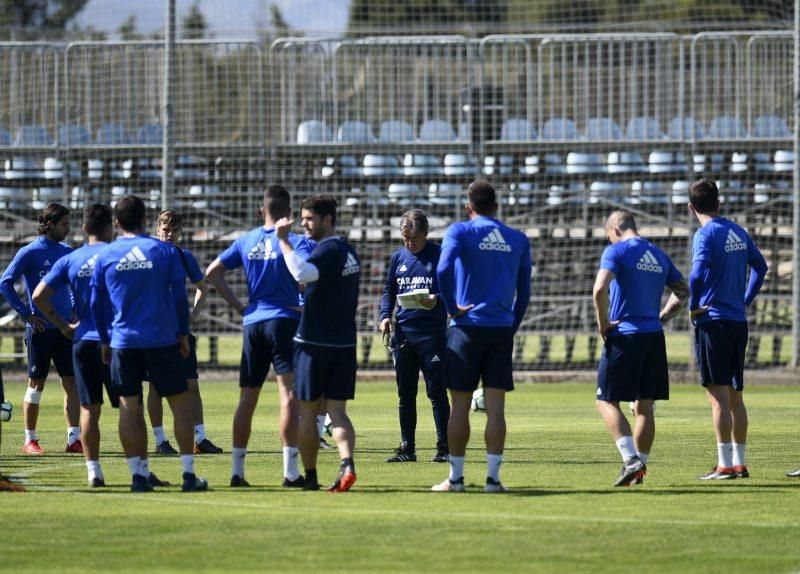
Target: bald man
[(633, 363)]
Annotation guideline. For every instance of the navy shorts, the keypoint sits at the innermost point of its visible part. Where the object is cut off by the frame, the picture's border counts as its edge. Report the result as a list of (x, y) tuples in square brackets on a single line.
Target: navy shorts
[(265, 343), (164, 365), (92, 374), (328, 372), (475, 353), (43, 347), (719, 347), (633, 367)]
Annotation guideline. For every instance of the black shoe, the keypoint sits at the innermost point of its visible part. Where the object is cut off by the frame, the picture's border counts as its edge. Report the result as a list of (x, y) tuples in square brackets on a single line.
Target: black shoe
[(403, 454), (238, 482), (442, 453), (631, 470), (153, 480), (205, 446), (324, 445), (637, 480), (193, 483), (741, 471), (165, 449), (97, 482), (793, 473), (139, 484), (310, 484), (298, 482)]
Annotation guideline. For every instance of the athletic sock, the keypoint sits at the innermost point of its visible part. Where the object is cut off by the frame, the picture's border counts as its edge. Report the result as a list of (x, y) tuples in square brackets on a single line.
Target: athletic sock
[(94, 470), (320, 425), (456, 467), (133, 464), (724, 454), (73, 434), (626, 448), (199, 433), (493, 462), (739, 457), (144, 467), (237, 461), (158, 432), (643, 456), (188, 463), (290, 469), (30, 435), (348, 465)]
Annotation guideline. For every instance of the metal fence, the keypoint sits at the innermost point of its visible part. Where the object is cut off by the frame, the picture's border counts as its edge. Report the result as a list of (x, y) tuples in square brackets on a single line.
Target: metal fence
[(566, 126)]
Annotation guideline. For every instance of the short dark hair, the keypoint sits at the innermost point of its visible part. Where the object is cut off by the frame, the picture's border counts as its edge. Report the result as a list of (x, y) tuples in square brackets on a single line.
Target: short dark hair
[(704, 196), (277, 202), (414, 221), (623, 219), (171, 218), (322, 205), (50, 215), (130, 212), (97, 218), (482, 197)]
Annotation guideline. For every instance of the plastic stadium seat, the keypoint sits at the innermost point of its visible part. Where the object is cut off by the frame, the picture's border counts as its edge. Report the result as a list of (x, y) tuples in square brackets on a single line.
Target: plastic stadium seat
[(770, 127), (446, 194), (517, 129), (32, 135), (72, 134), (436, 131), (726, 127), (347, 165), (643, 128), (784, 160), (5, 137), (26, 167), (381, 165), (396, 131), (680, 192), (625, 162), (649, 192), (502, 165), (602, 129), (559, 129), (685, 128), (313, 131), (355, 131), (597, 129), (666, 162), (152, 134), (113, 134), (460, 164), (405, 194), (421, 164), (606, 191), (464, 133)]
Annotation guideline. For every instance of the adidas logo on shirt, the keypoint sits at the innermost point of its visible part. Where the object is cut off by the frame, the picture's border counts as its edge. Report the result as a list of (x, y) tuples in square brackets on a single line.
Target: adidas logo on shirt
[(262, 251), (494, 242), (87, 268), (734, 243), (648, 262), (134, 260), (350, 266), (403, 268), (435, 359)]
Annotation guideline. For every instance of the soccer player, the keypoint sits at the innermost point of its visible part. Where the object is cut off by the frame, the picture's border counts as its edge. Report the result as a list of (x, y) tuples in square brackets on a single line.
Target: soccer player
[(633, 362), (43, 340), (169, 229), (325, 344), (484, 278), (141, 275), (270, 322), (720, 295), (417, 336)]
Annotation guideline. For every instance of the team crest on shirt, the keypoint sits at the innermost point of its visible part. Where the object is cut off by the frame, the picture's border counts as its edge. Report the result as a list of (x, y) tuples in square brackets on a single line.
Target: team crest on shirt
[(351, 266), (429, 267), (262, 251)]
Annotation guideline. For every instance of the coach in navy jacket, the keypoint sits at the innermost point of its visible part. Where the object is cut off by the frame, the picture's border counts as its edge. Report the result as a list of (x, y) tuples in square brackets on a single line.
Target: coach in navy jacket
[(417, 336)]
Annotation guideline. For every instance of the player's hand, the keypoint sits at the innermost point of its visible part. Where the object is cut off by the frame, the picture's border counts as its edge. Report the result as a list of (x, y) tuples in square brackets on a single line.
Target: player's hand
[(106, 352), (241, 308), (428, 302), (36, 323), (604, 328), (462, 311), (69, 329), (283, 227), (697, 312), (183, 345), (386, 326)]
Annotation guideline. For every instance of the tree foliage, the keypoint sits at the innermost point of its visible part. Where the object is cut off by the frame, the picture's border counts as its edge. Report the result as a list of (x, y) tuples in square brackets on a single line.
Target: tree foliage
[(194, 25)]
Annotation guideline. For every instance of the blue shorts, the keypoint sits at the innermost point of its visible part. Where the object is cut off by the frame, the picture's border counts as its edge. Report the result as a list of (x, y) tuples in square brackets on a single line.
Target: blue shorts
[(48, 345), (719, 347), (328, 372), (92, 374), (474, 354), (265, 343), (633, 367), (163, 364)]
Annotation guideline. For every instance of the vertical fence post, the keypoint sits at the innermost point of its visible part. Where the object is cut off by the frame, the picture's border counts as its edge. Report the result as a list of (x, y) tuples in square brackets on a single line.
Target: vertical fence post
[(167, 113), (796, 202)]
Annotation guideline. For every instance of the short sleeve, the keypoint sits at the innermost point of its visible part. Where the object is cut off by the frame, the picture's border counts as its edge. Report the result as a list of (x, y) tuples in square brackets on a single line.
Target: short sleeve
[(177, 273), (232, 257), (610, 260), (58, 275), (193, 270), (701, 247)]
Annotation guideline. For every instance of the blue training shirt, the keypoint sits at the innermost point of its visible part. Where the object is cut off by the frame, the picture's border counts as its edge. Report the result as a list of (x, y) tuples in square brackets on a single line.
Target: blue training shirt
[(409, 271), (727, 250), (488, 264), (271, 289), (33, 262), (137, 273), (193, 272), (329, 314), (74, 271), (641, 272)]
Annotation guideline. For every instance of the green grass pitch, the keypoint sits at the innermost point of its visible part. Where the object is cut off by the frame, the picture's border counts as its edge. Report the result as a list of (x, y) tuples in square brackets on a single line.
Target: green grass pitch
[(561, 515)]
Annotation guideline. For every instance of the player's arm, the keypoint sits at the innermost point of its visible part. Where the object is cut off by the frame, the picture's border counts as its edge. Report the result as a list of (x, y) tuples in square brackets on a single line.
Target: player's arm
[(197, 278), (389, 297), (200, 296), (215, 274), (446, 274), (303, 271), (600, 300), (42, 298), (177, 281), (679, 295), (696, 282), (758, 271), (523, 297), (98, 296), (10, 276)]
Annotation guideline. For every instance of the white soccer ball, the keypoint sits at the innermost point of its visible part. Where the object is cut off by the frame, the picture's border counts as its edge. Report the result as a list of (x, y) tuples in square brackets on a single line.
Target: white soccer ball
[(5, 411), (632, 407), (478, 403)]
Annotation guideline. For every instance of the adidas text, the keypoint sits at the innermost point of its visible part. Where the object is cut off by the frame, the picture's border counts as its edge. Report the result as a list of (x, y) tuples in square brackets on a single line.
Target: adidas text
[(134, 265)]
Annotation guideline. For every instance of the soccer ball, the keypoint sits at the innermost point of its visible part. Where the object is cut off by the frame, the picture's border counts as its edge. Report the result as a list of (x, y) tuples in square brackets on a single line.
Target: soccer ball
[(478, 404), (5, 411), (632, 407)]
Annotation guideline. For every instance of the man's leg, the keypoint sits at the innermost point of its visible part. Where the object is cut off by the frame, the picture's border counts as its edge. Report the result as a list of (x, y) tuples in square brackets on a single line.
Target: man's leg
[(90, 437), (719, 397), (155, 411), (495, 433), (287, 428), (30, 415), (406, 367), (620, 430), (644, 432), (309, 440), (242, 423), (133, 437), (345, 436), (739, 432), (181, 406), (458, 432), (432, 362), (72, 409)]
